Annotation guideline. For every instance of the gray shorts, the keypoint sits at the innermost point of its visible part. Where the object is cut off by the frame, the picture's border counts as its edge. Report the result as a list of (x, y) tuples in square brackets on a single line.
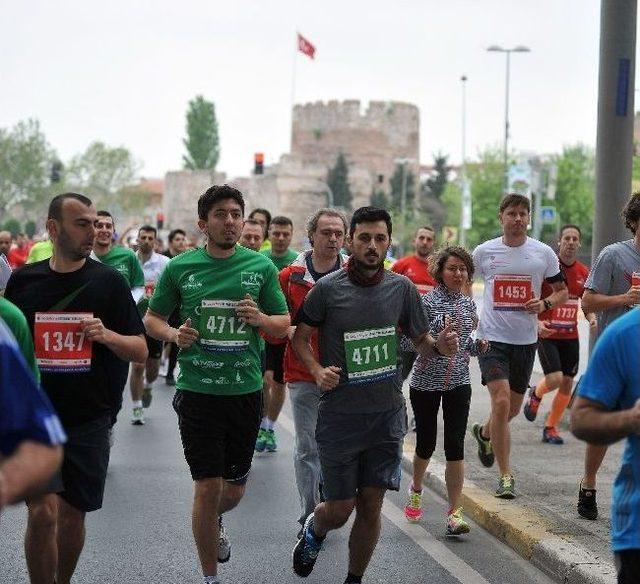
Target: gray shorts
[(513, 363), (360, 450)]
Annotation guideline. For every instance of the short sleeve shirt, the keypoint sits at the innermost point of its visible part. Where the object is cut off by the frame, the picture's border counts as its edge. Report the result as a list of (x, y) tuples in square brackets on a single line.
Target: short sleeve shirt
[(281, 261), (512, 275), (152, 269), (19, 327), (25, 412), (613, 380), (417, 271), (226, 358), (364, 342), (611, 275), (124, 261)]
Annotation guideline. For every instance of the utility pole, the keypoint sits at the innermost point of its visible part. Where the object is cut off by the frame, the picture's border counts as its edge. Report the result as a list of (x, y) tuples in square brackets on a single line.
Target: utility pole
[(614, 147), (465, 206)]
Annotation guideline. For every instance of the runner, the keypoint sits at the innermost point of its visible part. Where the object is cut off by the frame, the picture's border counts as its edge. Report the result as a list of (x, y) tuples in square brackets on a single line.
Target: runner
[(153, 265), (362, 416), (326, 230), (17, 323), (42, 250), (5, 243), (30, 431), (218, 289), (435, 379), (513, 268), (177, 244), (606, 410), (252, 235), (416, 268), (612, 288), (263, 217), (558, 344), (18, 253), (280, 234), (86, 327), (119, 258)]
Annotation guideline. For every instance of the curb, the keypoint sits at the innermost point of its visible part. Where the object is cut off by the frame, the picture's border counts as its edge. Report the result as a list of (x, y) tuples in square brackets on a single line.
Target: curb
[(529, 534)]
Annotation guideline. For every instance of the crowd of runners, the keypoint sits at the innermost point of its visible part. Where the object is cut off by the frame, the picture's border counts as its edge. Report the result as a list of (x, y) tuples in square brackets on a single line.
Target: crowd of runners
[(238, 320)]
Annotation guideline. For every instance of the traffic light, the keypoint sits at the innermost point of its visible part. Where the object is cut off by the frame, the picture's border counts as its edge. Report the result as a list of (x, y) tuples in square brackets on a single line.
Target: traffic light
[(258, 163)]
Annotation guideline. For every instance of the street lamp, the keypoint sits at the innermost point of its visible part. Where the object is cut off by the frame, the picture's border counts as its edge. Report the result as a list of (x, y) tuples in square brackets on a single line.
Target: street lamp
[(465, 206), (498, 49)]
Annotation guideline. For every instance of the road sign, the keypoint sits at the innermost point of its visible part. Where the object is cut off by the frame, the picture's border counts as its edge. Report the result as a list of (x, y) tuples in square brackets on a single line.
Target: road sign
[(548, 215)]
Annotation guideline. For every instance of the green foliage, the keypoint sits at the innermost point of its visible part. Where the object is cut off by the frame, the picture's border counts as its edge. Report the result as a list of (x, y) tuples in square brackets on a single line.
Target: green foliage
[(396, 182), (452, 201), (379, 199), (12, 225), (338, 182), (103, 173), (25, 166), (202, 142), (435, 185), (30, 228)]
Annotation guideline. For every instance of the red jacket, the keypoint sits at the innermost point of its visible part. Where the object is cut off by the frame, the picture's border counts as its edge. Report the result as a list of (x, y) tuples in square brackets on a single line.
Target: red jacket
[(296, 281)]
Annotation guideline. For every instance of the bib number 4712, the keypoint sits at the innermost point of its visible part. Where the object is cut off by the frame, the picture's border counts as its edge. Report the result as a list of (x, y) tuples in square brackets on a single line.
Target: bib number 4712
[(217, 324)]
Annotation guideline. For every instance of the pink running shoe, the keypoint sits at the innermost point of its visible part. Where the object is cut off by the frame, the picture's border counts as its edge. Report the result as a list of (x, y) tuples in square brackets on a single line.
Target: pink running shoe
[(413, 506)]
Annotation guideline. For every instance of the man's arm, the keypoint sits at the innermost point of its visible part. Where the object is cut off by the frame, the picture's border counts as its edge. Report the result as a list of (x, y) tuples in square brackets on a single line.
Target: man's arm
[(131, 348), (326, 377), (593, 423), (26, 470), (275, 325), (158, 328), (559, 296), (593, 301)]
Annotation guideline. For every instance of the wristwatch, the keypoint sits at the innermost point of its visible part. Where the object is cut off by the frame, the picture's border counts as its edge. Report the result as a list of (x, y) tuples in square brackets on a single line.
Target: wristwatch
[(547, 304)]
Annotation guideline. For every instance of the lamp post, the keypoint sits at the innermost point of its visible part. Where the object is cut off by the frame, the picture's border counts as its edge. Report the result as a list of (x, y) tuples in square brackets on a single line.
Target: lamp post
[(403, 199), (464, 191), (498, 49)]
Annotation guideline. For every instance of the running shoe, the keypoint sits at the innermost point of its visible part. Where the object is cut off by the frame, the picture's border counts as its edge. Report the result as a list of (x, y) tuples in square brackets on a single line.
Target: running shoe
[(146, 396), (413, 506), (506, 487), (456, 525), (306, 550), (137, 419), (170, 380), (270, 441), (587, 504), (485, 450), (224, 545), (532, 404), (261, 442), (551, 436)]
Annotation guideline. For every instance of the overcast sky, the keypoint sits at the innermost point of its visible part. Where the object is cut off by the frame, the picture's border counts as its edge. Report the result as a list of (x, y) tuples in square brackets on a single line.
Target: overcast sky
[(123, 72)]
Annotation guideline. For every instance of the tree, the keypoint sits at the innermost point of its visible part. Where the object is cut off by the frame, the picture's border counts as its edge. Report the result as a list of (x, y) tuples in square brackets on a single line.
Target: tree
[(25, 166), (338, 182), (379, 199), (30, 228), (436, 184), (12, 225), (202, 143), (104, 173), (402, 174)]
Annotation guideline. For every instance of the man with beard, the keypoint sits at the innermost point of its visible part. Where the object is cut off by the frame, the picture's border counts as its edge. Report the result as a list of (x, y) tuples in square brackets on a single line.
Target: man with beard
[(85, 328), (153, 265), (218, 289), (362, 416)]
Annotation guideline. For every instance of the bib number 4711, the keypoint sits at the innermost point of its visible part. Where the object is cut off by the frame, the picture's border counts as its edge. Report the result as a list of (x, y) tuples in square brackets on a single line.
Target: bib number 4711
[(364, 355)]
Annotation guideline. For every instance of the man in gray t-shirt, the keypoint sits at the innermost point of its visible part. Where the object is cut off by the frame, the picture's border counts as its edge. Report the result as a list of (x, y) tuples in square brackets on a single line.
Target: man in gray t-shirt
[(612, 288), (362, 418)]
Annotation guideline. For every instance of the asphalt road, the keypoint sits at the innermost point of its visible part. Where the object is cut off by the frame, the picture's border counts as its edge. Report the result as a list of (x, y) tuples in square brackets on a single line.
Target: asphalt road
[(143, 532)]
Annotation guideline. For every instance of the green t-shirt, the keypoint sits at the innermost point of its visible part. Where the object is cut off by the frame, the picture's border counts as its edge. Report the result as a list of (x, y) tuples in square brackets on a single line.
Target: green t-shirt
[(225, 360), (19, 327), (125, 261), (42, 250), (281, 261)]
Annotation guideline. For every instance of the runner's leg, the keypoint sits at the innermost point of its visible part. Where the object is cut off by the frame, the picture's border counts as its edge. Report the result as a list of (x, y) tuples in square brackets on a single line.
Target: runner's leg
[(366, 528), (593, 458), (71, 535), (498, 424), (206, 507), (40, 544)]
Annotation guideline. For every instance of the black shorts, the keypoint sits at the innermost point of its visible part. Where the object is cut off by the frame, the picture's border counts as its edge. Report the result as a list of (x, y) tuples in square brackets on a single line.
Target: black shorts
[(154, 346), (559, 355), (218, 433), (80, 481), (628, 565), (275, 361), (510, 362)]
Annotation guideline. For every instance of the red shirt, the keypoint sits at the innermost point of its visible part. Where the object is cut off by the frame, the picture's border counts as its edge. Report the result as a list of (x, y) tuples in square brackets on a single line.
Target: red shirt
[(17, 256), (564, 318), (417, 271)]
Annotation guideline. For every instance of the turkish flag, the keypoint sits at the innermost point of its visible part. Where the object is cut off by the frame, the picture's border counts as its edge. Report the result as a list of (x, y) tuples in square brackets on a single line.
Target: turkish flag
[(304, 46)]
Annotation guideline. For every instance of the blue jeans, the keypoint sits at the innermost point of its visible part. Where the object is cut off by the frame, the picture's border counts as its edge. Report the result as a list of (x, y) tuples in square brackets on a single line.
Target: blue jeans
[(305, 398)]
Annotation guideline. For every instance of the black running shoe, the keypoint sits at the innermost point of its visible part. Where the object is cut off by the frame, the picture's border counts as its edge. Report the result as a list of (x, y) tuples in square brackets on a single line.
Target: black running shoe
[(485, 450), (587, 504), (306, 550)]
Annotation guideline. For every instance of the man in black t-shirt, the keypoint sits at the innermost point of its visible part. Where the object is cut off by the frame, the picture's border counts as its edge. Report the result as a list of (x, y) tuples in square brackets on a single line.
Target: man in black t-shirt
[(86, 329)]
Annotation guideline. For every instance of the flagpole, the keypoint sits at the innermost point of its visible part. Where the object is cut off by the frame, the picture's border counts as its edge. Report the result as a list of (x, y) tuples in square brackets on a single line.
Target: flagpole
[(293, 86)]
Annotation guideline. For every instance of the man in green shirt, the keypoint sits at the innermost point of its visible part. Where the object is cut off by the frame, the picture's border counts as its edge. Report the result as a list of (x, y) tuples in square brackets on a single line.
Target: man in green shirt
[(18, 325), (280, 234), (119, 258), (218, 289)]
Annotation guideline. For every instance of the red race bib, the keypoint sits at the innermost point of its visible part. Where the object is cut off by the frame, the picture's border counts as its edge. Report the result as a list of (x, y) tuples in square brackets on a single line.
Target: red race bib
[(565, 316), (635, 279), (511, 291), (60, 344), (149, 287)]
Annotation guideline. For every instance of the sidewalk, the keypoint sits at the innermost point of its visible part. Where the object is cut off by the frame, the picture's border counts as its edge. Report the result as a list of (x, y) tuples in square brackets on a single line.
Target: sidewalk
[(542, 523)]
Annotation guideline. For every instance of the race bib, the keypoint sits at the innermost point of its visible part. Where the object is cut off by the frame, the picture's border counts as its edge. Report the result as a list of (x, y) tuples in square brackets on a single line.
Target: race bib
[(220, 329), (635, 279), (60, 344), (149, 287), (565, 316), (424, 288), (511, 291), (371, 355)]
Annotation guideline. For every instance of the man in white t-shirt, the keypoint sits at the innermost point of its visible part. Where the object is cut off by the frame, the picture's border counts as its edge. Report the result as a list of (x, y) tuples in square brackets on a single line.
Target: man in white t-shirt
[(513, 268)]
